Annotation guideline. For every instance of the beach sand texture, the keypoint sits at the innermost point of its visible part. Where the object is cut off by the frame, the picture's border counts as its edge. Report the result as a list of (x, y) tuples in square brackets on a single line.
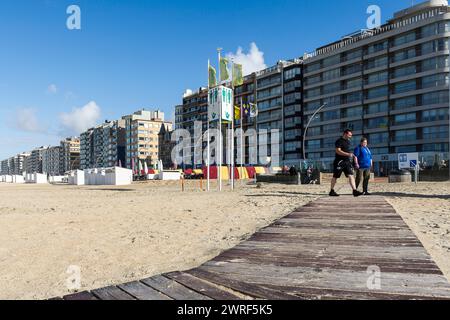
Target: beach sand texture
[(120, 234)]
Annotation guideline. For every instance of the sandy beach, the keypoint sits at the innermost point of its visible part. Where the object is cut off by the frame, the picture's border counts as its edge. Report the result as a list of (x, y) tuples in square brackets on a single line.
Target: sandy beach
[(123, 234), (120, 234)]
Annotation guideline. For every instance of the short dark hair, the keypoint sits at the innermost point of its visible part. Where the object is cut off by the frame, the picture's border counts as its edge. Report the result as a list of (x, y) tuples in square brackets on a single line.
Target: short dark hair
[(364, 139), (347, 131)]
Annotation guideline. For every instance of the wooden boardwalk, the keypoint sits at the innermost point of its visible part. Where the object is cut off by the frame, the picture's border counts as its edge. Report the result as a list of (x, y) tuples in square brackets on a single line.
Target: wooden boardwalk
[(332, 248)]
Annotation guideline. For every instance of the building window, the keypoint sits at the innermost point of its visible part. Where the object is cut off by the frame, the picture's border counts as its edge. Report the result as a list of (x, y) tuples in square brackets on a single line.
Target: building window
[(439, 132), (406, 118)]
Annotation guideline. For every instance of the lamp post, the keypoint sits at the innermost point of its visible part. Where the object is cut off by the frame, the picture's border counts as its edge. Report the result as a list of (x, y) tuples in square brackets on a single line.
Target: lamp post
[(307, 126)]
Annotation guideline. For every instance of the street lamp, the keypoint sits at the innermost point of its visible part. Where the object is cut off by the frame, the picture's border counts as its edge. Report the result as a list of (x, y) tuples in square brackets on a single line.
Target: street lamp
[(307, 126)]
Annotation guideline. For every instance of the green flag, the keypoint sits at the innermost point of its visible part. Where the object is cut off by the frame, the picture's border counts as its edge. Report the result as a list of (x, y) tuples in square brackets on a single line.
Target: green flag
[(238, 79), (212, 77), (224, 75)]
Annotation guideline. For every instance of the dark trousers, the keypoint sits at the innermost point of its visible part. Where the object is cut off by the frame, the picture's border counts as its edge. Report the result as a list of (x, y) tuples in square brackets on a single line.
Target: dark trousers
[(365, 175)]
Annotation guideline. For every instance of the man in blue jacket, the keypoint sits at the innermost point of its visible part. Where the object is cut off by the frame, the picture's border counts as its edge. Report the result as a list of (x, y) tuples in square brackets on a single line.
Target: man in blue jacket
[(363, 164)]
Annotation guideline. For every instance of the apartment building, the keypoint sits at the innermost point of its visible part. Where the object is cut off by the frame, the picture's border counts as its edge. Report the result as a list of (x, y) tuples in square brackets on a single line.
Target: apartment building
[(33, 163), (70, 154), (103, 146), (51, 161), (165, 147), (389, 84), (142, 130)]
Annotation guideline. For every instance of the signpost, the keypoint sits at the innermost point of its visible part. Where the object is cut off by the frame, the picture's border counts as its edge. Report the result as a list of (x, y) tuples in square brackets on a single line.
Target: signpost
[(220, 110), (409, 161)]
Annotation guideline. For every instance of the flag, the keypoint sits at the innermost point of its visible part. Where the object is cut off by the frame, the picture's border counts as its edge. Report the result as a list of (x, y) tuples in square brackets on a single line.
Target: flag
[(246, 110), (212, 80), (145, 167), (140, 167), (238, 79), (237, 113), (224, 75), (253, 110)]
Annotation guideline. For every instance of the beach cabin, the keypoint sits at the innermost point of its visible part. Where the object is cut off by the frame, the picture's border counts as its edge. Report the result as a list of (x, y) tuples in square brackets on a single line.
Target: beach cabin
[(18, 179), (57, 179), (108, 176), (76, 178), (36, 178)]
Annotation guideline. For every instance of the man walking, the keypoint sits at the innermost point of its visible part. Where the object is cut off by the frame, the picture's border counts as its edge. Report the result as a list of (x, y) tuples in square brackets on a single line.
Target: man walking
[(343, 164), (363, 164)]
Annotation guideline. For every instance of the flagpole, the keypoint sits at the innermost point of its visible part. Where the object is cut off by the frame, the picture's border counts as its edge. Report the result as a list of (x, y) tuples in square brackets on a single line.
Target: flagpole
[(242, 141), (220, 129), (207, 134), (232, 129)]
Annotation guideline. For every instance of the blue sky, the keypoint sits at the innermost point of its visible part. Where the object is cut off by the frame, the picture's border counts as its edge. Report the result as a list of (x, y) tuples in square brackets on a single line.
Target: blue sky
[(141, 54)]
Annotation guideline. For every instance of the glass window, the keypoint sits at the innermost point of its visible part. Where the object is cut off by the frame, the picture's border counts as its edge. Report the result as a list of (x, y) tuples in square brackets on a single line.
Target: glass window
[(404, 103), (353, 97), (434, 46), (406, 118), (435, 80), (269, 92), (378, 138), (377, 77), (312, 67), (327, 62), (404, 71), (404, 55), (332, 101), (379, 151), (353, 54), (405, 135), (331, 115), (313, 80), (353, 83), (377, 92), (354, 68), (313, 92), (332, 74), (406, 86), (331, 88), (377, 62), (405, 38), (377, 107), (378, 47), (438, 132), (374, 123), (435, 98), (435, 147), (331, 128), (353, 112), (406, 149), (314, 144), (292, 73), (434, 63), (435, 115)]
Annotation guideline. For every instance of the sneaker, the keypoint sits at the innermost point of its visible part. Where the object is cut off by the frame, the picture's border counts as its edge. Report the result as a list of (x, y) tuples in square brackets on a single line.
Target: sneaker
[(367, 193), (357, 193), (333, 194)]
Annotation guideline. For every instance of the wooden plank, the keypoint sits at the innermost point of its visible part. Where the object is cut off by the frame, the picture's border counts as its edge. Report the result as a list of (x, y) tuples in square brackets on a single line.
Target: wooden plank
[(83, 296), (112, 293), (173, 289), (416, 284), (256, 291), (142, 292), (201, 286)]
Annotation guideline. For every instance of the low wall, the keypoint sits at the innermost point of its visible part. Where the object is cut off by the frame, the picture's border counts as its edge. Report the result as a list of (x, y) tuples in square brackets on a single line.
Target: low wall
[(278, 178)]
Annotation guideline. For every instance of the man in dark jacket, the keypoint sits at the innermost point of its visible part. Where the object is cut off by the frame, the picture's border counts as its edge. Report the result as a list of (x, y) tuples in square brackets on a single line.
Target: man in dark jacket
[(343, 164)]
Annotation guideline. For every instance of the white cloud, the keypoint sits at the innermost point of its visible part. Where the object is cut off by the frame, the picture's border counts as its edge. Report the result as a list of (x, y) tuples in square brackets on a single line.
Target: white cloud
[(252, 61), (26, 120), (52, 89), (80, 119)]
